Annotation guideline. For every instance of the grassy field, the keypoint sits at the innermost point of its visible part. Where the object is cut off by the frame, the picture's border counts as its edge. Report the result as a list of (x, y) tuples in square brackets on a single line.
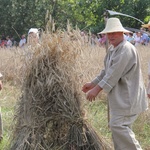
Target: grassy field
[(8, 98), (89, 64)]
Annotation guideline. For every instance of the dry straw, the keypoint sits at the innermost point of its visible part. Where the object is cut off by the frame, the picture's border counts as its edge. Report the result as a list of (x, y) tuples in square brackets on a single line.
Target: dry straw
[(49, 113)]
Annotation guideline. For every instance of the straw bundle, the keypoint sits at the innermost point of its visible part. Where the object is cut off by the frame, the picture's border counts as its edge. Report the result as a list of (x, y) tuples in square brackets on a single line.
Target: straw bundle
[(48, 114)]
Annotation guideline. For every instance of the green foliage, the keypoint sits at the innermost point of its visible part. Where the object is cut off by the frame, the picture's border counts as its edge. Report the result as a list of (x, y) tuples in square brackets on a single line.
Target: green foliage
[(86, 14), (5, 17)]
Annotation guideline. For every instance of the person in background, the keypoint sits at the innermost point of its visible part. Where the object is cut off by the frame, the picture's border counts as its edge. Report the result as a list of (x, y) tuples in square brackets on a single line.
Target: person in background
[(1, 125), (3, 43), (126, 36), (131, 38), (22, 41), (33, 42), (33, 36), (102, 40), (9, 42), (137, 39), (144, 38), (122, 80)]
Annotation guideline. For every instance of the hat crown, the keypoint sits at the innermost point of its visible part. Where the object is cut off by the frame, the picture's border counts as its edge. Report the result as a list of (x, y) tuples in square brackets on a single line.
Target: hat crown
[(113, 22), (114, 25), (146, 25)]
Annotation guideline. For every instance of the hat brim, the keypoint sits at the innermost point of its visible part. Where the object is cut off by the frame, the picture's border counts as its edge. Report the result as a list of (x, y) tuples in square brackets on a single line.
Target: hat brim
[(146, 25), (105, 31)]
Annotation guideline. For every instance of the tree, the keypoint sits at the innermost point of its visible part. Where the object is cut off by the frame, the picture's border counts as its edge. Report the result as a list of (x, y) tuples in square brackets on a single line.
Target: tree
[(5, 17), (86, 14)]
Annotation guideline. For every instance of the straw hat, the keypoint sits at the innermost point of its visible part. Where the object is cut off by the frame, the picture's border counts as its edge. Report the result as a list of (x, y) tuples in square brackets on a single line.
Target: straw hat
[(114, 25), (146, 25)]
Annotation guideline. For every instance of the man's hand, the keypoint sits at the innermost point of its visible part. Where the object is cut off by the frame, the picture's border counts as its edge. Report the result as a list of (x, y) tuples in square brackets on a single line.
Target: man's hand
[(91, 95), (88, 86)]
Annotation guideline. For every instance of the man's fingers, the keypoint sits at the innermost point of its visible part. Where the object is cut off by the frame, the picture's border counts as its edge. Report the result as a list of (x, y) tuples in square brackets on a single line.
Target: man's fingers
[(90, 98)]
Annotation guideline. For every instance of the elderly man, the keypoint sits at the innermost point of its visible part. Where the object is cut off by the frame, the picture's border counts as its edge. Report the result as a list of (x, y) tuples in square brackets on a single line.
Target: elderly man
[(122, 80), (1, 127)]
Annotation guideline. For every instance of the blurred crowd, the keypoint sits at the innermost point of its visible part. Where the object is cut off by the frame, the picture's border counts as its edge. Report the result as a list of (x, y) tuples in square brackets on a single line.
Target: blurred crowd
[(9, 42), (136, 38)]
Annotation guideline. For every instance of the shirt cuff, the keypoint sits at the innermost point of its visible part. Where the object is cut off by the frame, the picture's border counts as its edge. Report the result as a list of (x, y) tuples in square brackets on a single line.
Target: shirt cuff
[(105, 86), (95, 81)]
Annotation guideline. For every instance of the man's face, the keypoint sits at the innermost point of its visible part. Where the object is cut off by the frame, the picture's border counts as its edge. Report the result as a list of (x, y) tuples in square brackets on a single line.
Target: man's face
[(115, 38)]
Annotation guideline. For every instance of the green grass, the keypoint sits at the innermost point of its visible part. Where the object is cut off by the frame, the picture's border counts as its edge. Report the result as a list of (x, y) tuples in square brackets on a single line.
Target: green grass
[(8, 97), (98, 117), (142, 131), (96, 114)]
